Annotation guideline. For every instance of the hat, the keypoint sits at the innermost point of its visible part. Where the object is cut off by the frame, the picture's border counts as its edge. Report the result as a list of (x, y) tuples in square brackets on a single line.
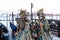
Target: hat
[(41, 10), (23, 12)]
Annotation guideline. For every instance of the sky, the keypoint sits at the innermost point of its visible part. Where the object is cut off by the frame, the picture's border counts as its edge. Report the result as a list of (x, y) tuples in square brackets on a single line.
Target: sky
[(49, 6)]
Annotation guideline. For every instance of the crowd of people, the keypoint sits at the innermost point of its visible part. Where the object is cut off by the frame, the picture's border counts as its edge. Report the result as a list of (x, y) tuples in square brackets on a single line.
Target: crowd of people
[(32, 30), (29, 29)]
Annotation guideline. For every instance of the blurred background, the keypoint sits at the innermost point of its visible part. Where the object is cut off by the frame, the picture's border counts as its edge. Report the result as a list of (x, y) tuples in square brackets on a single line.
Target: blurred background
[(10, 9)]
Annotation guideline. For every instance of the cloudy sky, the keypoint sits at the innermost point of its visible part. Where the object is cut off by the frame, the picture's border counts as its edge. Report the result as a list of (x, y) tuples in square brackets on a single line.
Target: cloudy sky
[(50, 6)]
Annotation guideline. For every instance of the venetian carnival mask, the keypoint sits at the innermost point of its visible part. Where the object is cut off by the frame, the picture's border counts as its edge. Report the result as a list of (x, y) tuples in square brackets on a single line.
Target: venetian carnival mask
[(41, 15)]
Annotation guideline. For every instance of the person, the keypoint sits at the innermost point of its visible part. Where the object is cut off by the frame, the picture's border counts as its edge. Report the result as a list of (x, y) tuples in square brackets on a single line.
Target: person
[(34, 29), (22, 24), (44, 26), (27, 31)]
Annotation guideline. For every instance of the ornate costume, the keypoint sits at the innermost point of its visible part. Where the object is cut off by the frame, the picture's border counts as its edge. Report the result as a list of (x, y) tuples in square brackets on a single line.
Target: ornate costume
[(44, 26), (23, 24)]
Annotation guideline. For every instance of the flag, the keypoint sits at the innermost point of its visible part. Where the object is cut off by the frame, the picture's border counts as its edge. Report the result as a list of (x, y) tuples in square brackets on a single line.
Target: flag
[(13, 27)]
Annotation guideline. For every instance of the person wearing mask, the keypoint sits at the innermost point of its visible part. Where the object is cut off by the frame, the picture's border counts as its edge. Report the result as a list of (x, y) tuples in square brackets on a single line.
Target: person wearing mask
[(44, 26), (23, 24)]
